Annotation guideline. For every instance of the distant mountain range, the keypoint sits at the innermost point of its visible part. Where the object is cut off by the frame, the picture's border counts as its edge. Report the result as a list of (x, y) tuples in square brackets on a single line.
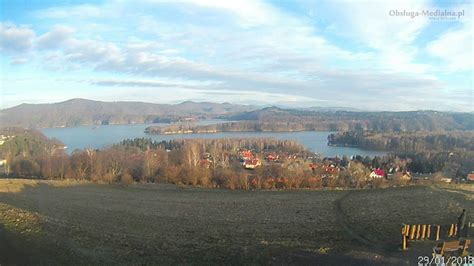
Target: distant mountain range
[(77, 112)]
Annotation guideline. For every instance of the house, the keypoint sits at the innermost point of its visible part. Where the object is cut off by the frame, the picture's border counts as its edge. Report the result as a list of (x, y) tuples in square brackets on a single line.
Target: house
[(405, 176), (272, 157), (251, 163), (207, 160), (446, 180), (331, 170), (4, 138), (377, 173), (470, 177), (314, 166), (246, 155)]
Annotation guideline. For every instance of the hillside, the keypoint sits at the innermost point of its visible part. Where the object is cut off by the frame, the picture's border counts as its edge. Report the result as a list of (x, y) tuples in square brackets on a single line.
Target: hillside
[(345, 120), (275, 119), (406, 141), (87, 112)]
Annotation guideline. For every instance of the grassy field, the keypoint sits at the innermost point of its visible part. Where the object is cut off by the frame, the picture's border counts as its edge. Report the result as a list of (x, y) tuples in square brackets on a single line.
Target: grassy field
[(46, 222)]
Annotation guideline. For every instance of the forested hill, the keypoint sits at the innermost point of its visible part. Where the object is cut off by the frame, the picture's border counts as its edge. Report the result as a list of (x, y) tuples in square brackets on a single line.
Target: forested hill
[(87, 112), (274, 119), (377, 121), (420, 141), (18, 142)]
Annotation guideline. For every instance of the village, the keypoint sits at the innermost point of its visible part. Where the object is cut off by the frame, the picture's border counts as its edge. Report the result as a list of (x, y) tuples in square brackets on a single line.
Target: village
[(322, 171)]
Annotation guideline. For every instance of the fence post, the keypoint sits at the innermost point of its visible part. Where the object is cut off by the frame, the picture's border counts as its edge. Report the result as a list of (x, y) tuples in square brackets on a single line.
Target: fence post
[(455, 233), (418, 229), (451, 230), (412, 233), (423, 232), (404, 242), (437, 232), (428, 232), (407, 230), (404, 236)]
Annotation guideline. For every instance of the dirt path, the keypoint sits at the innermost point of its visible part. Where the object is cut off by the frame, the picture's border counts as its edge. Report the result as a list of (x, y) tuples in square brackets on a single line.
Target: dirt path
[(468, 194), (375, 251), (344, 223)]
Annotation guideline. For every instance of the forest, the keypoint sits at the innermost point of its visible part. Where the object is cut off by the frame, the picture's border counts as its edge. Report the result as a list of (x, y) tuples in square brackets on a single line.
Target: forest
[(419, 141), (286, 120), (449, 151), (373, 121), (245, 126)]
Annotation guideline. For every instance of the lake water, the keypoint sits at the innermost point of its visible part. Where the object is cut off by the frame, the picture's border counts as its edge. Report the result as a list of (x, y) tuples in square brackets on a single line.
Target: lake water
[(104, 136)]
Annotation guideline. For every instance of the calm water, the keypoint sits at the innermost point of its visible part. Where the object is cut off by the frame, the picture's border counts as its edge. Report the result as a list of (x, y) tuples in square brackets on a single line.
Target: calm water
[(103, 136)]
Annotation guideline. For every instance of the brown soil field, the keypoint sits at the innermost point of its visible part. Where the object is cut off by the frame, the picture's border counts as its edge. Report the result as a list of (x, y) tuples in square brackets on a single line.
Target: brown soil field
[(52, 222)]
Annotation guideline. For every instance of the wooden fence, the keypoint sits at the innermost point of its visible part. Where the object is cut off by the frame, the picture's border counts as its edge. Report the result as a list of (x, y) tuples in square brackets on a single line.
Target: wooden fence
[(420, 232)]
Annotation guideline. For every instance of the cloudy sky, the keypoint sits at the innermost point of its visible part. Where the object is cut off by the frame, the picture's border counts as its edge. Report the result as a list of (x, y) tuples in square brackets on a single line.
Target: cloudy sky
[(370, 55)]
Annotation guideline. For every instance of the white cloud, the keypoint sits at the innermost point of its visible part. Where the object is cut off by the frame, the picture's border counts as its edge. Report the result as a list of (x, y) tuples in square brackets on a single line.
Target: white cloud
[(455, 47), (250, 13), (391, 37), (15, 39), (151, 83), (18, 61), (54, 38), (92, 51)]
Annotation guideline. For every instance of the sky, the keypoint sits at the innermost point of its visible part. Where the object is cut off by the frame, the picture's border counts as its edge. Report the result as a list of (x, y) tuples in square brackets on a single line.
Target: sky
[(370, 55)]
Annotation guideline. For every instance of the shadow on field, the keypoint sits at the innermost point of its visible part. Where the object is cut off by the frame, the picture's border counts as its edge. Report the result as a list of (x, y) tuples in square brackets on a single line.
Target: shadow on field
[(11, 251)]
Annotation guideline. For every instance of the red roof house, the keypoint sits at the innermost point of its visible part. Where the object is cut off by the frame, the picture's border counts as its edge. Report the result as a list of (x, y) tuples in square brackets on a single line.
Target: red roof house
[(377, 173), (470, 177)]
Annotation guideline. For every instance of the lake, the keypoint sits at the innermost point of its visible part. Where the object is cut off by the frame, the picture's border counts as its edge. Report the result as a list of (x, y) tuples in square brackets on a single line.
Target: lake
[(88, 137)]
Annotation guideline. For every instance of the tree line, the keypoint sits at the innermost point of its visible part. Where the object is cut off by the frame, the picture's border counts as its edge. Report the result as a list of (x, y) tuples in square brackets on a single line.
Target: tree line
[(361, 121), (419, 141), (216, 163), (281, 120), (451, 152)]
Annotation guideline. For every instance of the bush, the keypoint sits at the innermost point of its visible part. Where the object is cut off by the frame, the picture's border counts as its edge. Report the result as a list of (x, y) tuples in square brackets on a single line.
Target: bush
[(126, 179), (25, 168)]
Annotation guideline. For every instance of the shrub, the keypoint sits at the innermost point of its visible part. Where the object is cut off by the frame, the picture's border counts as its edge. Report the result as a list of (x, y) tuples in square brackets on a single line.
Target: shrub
[(126, 179), (25, 167)]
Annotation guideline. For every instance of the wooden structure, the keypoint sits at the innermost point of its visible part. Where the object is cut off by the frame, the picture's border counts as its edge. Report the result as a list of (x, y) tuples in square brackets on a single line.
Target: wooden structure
[(453, 247), (446, 247), (420, 232), (465, 247)]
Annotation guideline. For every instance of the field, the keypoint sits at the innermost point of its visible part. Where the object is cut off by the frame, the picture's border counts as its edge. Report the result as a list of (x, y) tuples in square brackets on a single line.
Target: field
[(46, 222)]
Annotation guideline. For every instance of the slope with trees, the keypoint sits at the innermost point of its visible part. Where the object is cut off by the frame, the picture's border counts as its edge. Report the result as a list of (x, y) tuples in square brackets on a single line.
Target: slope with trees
[(418, 141), (78, 112), (276, 119)]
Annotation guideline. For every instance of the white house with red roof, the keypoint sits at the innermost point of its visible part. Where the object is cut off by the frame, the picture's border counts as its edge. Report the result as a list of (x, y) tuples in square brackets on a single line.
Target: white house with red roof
[(377, 173), (470, 177)]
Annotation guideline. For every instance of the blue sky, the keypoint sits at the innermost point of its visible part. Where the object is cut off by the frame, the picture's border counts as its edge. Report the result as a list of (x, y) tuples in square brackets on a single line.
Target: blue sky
[(357, 54)]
